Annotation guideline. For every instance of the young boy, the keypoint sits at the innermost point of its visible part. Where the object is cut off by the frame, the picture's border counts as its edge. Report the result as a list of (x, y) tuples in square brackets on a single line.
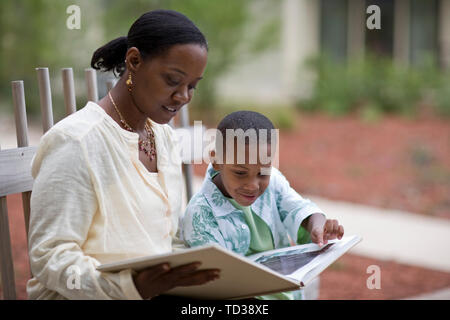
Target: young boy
[(248, 206)]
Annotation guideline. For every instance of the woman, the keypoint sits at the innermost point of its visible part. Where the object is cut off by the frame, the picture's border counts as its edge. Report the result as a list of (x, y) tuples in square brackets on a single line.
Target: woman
[(108, 179)]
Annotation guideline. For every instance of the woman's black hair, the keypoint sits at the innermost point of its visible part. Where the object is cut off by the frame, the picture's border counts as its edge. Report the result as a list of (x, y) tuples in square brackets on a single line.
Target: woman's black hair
[(153, 33)]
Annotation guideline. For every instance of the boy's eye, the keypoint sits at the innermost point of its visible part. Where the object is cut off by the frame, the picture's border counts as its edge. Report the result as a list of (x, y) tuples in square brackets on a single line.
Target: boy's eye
[(240, 173)]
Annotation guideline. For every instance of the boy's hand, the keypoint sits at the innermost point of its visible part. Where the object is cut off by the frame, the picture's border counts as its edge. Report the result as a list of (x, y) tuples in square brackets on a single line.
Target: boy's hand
[(322, 229)]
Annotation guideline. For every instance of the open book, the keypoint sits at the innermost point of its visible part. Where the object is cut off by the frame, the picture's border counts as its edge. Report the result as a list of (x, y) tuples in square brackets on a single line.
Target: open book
[(303, 263), (268, 272)]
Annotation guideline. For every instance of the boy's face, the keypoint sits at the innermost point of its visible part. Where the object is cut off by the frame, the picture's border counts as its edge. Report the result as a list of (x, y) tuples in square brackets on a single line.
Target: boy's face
[(243, 182)]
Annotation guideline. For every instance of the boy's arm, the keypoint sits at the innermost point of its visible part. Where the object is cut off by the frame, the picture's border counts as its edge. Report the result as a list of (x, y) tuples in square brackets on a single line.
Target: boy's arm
[(293, 208), (297, 212), (200, 227)]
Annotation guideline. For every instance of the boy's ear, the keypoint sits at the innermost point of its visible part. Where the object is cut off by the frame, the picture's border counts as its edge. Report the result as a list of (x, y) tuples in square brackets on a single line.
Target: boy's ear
[(212, 156)]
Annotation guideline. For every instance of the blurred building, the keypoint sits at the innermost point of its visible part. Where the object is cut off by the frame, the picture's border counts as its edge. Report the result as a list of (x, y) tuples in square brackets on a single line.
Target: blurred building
[(411, 30)]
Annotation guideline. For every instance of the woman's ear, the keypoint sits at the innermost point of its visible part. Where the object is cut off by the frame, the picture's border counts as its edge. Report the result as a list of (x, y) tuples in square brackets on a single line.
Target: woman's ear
[(133, 59)]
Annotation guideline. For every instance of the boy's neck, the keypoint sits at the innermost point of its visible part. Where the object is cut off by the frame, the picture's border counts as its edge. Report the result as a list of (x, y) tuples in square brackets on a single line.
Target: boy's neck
[(217, 180)]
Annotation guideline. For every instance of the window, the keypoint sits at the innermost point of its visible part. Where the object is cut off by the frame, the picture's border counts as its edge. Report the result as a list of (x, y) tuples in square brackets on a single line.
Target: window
[(380, 42), (333, 28), (423, 30)]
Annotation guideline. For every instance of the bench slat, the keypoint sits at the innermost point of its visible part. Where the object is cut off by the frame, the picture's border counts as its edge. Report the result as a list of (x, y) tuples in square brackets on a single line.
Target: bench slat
[(15, 170), (69, 90), (20, 114), (6, 261), (91, 83), (45, 95)]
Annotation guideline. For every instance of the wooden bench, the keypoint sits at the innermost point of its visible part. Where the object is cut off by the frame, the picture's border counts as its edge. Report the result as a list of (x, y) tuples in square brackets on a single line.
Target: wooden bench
[(15, 164)]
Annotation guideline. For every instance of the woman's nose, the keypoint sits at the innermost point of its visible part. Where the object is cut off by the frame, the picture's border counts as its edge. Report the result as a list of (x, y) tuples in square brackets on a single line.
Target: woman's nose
[(182, 95)]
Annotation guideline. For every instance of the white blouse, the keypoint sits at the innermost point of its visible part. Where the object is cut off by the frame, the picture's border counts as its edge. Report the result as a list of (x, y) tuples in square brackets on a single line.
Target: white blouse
[(94, 202)]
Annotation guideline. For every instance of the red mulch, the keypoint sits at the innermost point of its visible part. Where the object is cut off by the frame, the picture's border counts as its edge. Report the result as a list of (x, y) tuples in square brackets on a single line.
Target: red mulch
[(347, 279), (396, 163)]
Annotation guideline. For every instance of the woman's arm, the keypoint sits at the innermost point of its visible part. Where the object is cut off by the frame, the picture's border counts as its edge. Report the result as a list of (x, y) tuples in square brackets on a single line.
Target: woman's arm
[(63, 205)]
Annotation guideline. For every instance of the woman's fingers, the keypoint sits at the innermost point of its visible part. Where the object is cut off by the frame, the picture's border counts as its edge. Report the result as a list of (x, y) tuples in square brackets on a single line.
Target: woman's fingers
[(198, 277), (156, 271), (184, 279), (186, 268), (189, 275)]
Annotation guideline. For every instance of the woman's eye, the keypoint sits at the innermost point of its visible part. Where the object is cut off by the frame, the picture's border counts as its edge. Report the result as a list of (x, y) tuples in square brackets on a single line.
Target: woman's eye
[(172, 82)]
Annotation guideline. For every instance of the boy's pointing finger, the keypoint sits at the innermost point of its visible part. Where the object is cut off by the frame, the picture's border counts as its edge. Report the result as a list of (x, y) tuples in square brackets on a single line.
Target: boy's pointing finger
[(341, 232)]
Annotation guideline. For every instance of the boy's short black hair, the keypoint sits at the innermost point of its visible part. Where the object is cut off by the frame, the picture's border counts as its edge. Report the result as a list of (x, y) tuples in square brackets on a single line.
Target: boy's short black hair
[(245, 120), (245, 124)]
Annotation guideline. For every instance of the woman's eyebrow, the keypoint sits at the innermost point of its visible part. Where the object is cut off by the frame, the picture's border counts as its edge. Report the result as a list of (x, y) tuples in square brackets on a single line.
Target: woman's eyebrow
[(178, 70), (182, 72)]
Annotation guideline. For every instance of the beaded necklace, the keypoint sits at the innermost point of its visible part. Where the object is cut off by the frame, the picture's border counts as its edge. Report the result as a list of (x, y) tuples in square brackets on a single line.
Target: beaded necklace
[(147, 145)]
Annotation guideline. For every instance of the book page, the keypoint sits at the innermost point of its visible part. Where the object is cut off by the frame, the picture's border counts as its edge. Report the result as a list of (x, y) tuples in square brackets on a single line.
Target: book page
[(287, 262), (304, 262)]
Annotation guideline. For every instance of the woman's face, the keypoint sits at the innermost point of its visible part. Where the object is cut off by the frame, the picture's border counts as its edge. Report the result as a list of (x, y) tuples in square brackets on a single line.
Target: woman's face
[(163, 84)]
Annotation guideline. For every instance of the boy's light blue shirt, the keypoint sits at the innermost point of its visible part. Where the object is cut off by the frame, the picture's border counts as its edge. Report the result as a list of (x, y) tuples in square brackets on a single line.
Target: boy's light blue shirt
[(211, 218)]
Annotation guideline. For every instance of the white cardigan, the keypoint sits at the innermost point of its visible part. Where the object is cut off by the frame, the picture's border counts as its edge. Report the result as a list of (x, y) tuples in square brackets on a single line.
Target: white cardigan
[(94, 202)]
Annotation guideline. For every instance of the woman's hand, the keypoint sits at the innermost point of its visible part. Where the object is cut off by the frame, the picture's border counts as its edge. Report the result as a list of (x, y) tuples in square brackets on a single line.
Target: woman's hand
[(322, 229), (156, 280)]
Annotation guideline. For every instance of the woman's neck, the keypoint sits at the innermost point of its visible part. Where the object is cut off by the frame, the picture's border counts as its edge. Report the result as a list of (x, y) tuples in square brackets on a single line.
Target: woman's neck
[(126, 106)]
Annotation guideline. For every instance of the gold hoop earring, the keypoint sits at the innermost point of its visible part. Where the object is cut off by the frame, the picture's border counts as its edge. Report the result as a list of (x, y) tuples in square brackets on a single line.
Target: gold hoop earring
[(129, 82)]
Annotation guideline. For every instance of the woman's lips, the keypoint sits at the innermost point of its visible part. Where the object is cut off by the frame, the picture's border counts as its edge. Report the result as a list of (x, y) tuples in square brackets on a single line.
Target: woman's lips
[(172, 110)]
